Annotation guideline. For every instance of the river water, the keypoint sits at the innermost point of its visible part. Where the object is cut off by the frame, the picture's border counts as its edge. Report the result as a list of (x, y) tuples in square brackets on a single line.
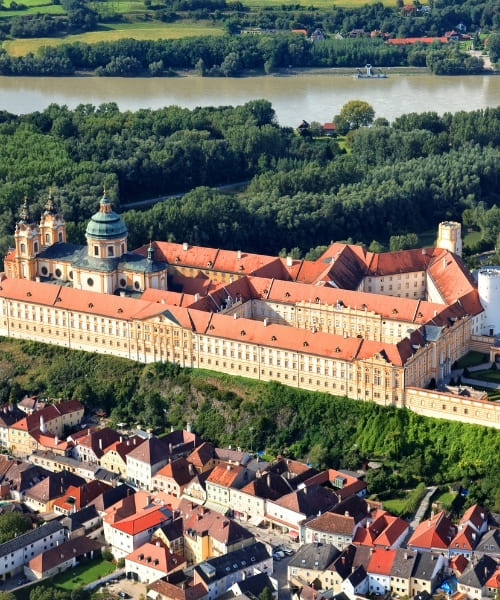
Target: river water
[(309, 96)]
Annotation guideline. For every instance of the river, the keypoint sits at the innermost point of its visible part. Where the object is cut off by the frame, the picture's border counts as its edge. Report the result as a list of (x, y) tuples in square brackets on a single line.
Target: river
[(309, 96)]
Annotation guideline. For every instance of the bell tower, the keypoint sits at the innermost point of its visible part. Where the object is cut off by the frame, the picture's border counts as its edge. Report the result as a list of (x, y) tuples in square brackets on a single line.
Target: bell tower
[(28, 243), (52, 224)]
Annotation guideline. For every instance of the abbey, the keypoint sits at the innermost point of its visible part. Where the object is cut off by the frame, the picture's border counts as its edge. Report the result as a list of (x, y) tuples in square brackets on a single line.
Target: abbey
[(373, 327)]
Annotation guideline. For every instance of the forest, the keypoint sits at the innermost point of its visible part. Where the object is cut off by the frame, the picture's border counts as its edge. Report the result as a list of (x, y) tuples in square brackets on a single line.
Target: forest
[(324, 429), (302, 191), (233, 56)]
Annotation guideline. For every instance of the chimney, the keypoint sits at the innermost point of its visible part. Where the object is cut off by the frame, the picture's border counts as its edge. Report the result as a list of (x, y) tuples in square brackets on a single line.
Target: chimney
[(238, 254), (196, 296), (191, 470), (172, 429), (265, 322), (228, 467), (346, 514), (56, 440), (100, 443), (121, 439), (188, 427), (158, 543), (135, 441), (148, 501), (269, 480), (289, 261), (185, 246), (170, 448)]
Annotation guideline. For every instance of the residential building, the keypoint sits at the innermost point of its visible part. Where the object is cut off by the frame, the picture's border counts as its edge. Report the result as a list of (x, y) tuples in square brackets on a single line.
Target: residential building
[(89, 444), (428, 572), (77, 497), (145, 460), (208, 533), (174, 477), (132, 521), (435, 533), (114, 457), (41, 496), (218, 574), (222, 479), (152, 561), (474, 580), (309, 564), (64, 556), (291, 510), (177, 588), (15, 553), (379, 570)]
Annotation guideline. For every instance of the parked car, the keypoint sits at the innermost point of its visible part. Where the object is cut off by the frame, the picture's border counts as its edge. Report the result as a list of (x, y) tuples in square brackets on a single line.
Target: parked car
[(276, 556), (123, 595)]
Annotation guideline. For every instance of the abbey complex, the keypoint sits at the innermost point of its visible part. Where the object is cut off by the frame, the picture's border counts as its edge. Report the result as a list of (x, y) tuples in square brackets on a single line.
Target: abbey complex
[(372, 327)]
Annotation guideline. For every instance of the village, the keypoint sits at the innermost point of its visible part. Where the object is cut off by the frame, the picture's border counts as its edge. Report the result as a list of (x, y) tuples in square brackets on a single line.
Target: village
[(186, 520)]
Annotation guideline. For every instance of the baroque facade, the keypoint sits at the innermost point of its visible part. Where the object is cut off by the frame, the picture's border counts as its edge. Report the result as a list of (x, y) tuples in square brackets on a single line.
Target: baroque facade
[(355, 323)]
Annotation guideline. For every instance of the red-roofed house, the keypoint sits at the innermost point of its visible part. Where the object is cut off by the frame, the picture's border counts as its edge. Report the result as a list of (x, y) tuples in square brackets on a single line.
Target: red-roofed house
[(64, 556), (130, 522), (379, 570), (152, 561), (385, 531), (78, 497), (435, 533)]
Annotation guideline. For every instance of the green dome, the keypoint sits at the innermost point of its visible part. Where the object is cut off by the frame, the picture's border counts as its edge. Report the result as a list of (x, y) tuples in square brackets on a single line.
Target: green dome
[(105, 224)]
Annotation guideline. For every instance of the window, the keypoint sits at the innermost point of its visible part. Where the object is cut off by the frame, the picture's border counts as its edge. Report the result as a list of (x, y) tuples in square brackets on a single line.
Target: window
[(90, 282), (58, 273), (96, 250), (111, 251), (23, 247), (47, 238)]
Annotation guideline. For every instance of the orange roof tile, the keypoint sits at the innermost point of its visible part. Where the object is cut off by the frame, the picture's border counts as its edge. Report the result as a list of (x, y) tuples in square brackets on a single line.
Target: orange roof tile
[(381, 561)]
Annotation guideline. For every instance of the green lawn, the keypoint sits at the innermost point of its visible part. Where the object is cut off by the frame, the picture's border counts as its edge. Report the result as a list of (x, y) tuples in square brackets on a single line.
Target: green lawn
[(394, 505), (472, 359), (84, 574), (486, 375), (43, 9), (445, 500), (138, 31)]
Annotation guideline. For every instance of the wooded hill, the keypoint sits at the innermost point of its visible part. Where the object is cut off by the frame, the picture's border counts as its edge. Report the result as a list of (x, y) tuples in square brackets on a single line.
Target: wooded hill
[(326, 430), (304, 191)]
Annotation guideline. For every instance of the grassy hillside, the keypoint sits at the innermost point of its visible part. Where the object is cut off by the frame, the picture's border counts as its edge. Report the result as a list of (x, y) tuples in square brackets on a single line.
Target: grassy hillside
[(327, 430)]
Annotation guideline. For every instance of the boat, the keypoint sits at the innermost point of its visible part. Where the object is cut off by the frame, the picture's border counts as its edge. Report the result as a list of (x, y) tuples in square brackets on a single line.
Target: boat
[(369, 74)]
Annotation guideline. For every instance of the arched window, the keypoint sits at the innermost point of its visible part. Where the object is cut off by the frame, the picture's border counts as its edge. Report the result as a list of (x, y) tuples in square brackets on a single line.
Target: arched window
[(23, 248), (35, 247), (47, 238), (60, 238)]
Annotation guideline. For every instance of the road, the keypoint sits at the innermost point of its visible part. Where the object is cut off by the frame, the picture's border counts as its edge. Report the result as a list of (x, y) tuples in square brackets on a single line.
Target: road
[(151, 201)]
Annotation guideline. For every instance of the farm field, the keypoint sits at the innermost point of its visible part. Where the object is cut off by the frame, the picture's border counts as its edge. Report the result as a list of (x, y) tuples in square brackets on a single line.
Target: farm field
[(138, 31), (321, 4)]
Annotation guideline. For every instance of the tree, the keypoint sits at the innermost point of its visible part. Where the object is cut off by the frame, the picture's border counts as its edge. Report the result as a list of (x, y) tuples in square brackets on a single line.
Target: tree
[(356, 113), (13, 524), (266, 594), (493, 46)]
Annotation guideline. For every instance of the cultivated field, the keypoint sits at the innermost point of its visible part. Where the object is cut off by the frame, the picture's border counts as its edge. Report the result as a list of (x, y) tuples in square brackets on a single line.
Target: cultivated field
[(138, 31)]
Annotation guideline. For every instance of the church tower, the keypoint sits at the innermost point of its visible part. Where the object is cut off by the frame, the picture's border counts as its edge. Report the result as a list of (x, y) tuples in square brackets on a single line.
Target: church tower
[(52, 224), (28, 243), (450, 237)]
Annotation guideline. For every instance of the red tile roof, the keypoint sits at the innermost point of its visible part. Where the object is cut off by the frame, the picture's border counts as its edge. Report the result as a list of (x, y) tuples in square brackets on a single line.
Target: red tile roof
[(415, 40), (157, 556), (381, 561), (436, 532)]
